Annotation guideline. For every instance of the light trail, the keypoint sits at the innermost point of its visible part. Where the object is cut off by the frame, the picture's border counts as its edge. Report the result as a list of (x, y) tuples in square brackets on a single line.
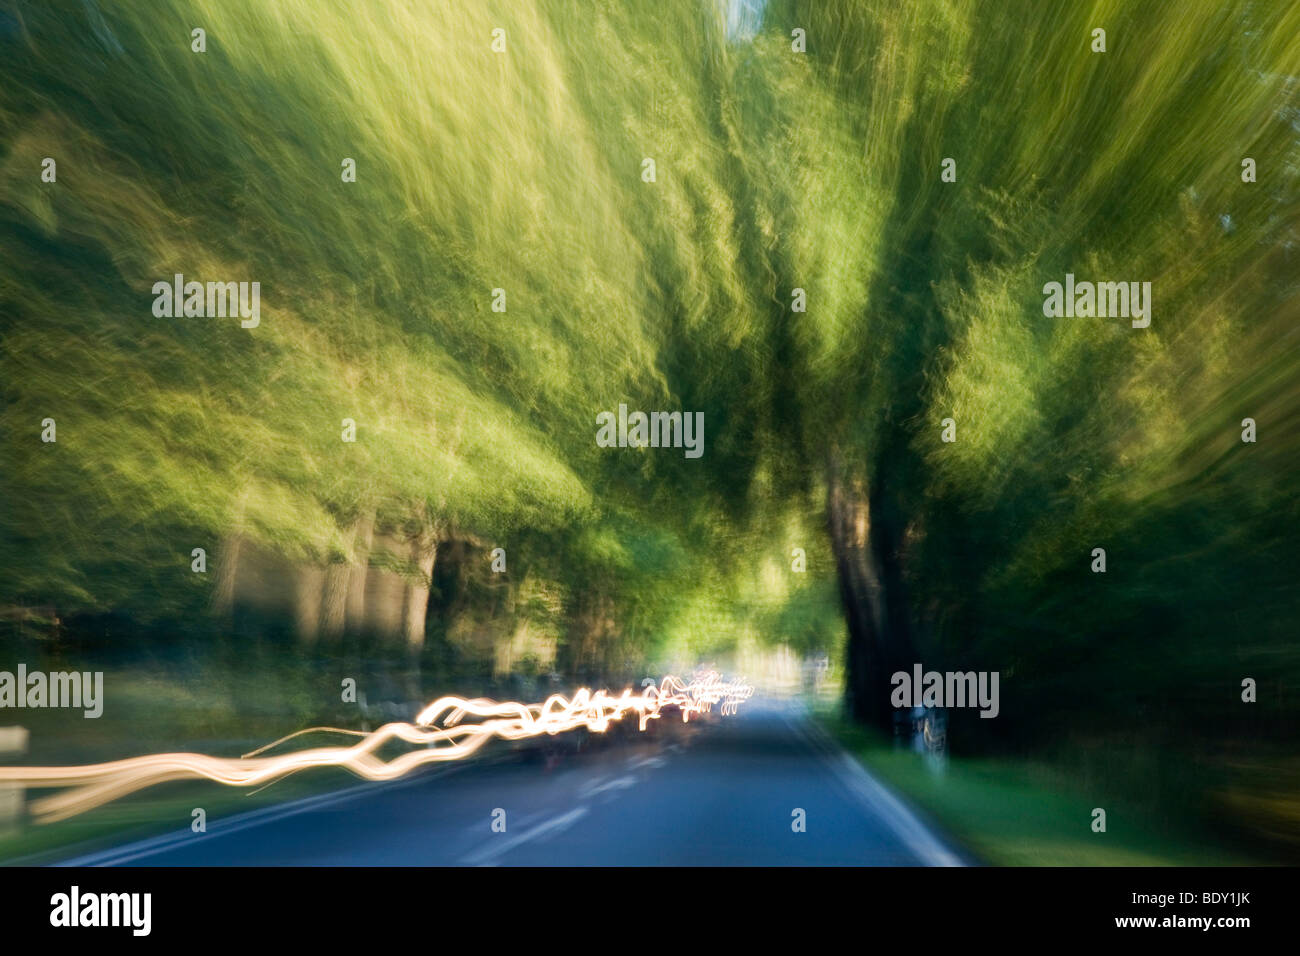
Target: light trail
[(440, 729)]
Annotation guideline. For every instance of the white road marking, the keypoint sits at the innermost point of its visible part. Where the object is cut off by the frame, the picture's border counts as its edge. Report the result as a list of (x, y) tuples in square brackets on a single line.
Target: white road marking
[(637, 764), (496, 848), (618, 783), (241, 821)]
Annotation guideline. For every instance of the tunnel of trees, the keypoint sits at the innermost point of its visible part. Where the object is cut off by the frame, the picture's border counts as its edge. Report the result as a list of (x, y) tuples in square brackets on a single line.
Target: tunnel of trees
[(794, 264)]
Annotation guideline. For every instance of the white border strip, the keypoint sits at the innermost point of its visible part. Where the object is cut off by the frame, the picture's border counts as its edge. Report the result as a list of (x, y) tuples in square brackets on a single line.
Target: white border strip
[(873, 795)]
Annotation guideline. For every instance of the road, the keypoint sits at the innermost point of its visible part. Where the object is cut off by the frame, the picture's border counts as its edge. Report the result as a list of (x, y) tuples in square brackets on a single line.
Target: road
[(721, 792)]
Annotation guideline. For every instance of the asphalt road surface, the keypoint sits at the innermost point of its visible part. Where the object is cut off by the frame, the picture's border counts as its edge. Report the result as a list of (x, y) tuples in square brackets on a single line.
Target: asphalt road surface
[(721, 791)]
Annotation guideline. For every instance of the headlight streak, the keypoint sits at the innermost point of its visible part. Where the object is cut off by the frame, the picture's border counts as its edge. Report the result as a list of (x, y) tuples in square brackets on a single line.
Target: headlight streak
[(440, 730)]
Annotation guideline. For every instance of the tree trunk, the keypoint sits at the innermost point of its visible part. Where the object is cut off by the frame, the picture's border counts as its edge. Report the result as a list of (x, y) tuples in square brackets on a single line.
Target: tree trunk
[(888, 526), (859, 595), (866, 533), (386, 588), (223, 594), (334, 601), (362, 541), (309, 583), (423, 552)]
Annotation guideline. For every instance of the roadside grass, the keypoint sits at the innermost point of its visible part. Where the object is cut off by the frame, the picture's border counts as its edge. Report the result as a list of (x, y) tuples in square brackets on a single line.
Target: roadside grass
[(1019, 813)]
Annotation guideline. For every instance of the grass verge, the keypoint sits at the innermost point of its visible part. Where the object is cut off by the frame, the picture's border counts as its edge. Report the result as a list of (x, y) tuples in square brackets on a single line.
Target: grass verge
[(1017, 813)]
